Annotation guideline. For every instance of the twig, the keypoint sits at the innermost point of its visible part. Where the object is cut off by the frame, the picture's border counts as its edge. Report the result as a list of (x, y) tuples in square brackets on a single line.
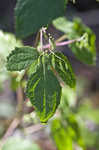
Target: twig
[(17, 119), (61, 38), (37, 39), (20, 105), (10, 130), (64, 43), (41, 40), (33, 129)]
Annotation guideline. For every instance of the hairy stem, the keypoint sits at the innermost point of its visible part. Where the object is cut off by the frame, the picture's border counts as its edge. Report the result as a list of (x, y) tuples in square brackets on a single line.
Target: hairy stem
[(37, 39), (63, 37), (63, 43), (41, 40)]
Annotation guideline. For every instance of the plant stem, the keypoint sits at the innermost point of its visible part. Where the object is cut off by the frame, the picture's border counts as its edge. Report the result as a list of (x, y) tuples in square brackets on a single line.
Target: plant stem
[(41, 40), (9, 131), (62, 43), (16, 121), (65, 43), (20, 105), (63, 37), (37, 39)]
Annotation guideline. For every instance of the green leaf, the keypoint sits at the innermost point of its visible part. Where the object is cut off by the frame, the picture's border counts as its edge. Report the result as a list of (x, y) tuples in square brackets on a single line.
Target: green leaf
[(33, 67), (18, 143), (63, 25), (84, 50), (73, 124), (68, 116), (64, 69), (31, 15), (21, 58), (61, 136), (7, 43), (44, 91)]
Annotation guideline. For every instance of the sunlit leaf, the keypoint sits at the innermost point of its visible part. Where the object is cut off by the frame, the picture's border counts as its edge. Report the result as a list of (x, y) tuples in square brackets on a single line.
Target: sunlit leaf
[(85, 49), (64, 69), (7, 43), (61, 135)]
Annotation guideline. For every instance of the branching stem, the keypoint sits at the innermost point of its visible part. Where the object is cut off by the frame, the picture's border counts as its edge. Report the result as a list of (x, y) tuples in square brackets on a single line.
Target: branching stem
[(63, 43)]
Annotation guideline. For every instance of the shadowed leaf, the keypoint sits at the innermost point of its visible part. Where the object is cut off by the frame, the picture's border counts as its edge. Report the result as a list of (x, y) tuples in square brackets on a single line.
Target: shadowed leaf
[(31, 15), (21, 58)]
